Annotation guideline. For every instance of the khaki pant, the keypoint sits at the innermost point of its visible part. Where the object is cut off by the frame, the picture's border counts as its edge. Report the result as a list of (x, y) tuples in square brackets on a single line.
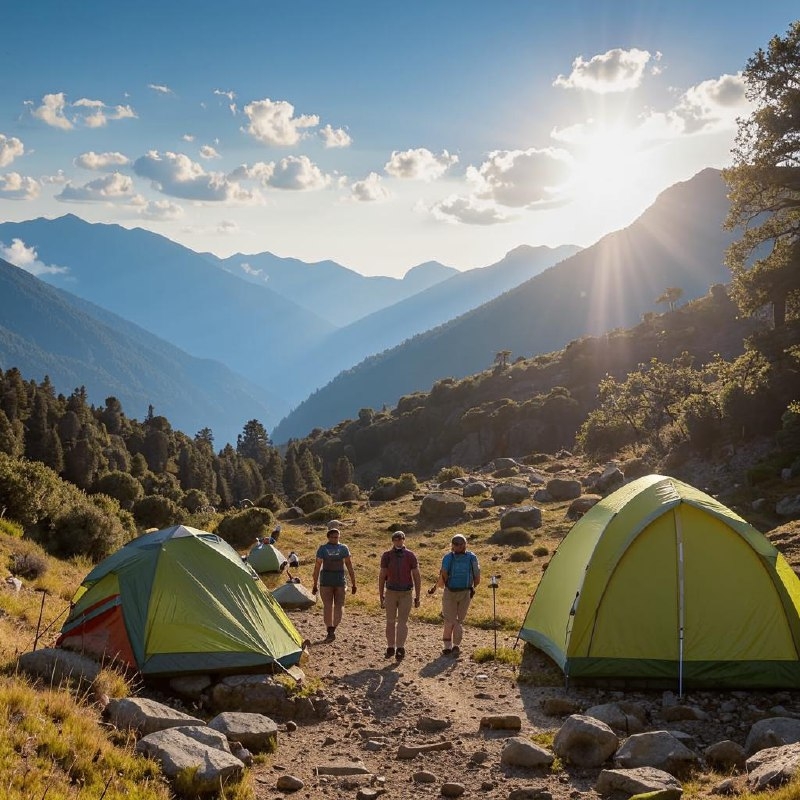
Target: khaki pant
[(398, 608), (332, 604), (454, 611)]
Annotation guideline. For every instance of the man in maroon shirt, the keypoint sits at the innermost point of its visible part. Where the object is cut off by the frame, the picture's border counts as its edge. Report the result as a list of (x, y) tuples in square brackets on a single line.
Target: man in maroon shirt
[(399, 576)]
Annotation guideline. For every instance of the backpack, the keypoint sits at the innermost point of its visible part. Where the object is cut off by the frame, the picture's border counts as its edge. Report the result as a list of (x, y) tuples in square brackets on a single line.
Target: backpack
[(459, 571)]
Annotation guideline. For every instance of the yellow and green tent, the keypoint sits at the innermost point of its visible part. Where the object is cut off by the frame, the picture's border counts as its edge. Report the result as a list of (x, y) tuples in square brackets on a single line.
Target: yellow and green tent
[(660, 583), (180, 600)]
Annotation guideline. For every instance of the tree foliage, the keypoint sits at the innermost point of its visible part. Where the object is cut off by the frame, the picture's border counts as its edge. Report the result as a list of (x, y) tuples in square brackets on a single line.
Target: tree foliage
[(765, 183)]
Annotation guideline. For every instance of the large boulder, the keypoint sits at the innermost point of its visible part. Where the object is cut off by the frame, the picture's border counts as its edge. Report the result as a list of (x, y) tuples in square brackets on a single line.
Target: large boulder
[(442, 505), (772, 732), (585, 741), (529, 517), (505, 494), (563, 488), (659, 749)]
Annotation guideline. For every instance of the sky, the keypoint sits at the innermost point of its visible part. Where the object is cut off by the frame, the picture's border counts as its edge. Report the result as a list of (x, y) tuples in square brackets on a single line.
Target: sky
[(379, 135)]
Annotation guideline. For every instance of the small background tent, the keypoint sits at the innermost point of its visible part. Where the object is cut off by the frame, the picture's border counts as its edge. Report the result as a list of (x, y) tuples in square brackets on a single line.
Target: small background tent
[(294, 596), (265, 557), (179, 600), (658, 582)]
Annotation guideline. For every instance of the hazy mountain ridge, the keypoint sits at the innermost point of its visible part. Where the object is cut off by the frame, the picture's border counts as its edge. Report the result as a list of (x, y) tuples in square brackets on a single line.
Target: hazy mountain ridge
[(424, 311), (317, 286), (678, 241), (174, 293), (46, 331)]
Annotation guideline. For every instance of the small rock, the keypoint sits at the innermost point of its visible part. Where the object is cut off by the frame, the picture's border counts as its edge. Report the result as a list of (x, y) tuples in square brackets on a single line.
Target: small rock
[(452, 789), (423, 777), (288, 783)]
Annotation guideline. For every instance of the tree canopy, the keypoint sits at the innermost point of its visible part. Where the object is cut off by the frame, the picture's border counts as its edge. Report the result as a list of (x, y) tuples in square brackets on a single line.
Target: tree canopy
[(764, 183)]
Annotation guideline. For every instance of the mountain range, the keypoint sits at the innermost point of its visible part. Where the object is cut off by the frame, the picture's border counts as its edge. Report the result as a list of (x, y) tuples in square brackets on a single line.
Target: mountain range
[(274, 330)]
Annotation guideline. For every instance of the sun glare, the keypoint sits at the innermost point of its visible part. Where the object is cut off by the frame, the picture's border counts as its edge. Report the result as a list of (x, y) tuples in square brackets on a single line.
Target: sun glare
[(607, 166)]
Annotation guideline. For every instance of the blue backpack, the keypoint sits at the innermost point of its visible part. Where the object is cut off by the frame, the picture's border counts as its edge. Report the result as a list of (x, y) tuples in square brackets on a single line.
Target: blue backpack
[(459, 571)]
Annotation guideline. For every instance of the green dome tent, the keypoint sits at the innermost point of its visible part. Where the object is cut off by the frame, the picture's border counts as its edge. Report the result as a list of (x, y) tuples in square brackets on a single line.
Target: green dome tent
[(659, 582), (180, 600), (265, 557)]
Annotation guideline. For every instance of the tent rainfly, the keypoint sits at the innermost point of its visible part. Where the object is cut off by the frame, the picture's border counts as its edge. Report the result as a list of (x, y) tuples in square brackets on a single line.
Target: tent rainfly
[(660, 583), (180, 600), (265, 557)]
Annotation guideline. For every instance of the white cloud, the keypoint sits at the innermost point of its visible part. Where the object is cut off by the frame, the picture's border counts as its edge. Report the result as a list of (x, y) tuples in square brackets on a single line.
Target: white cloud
[(207, 151), (227, 227), (14, 186), (616, 70), (369, 190), (24, 257), (187, 137), (102, 162), (56, 180), (250, 270), (160, 88), (530, 178), (161, 210), (419, 164), (711, 104), (298, 173), (274, 123), (261, 171), (10, 148), (337, 137), (231, 98), (175, 174), (91, 113), (109, 188), (51, 111), (468, 211)]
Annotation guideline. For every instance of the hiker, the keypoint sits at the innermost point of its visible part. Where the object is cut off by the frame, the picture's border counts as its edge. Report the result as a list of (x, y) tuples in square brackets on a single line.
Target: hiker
[(293, 560), (459, 575), (329, 580), (275, 534), (399, 574)]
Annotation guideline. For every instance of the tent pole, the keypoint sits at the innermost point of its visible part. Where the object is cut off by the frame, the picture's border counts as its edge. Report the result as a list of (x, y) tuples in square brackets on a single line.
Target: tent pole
[(681, 598)]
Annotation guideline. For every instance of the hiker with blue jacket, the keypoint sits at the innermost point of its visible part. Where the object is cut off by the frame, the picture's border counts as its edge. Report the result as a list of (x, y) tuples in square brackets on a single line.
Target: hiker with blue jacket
[(459, 575)]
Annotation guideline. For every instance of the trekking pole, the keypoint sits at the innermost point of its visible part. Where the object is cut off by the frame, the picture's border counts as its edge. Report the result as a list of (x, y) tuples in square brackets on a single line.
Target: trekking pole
[(493, 583), (39, 623)]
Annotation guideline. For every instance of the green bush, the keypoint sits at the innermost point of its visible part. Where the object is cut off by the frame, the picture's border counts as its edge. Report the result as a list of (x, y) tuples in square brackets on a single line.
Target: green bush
[(121, 486), (313, 501), (392, 488), (327, 513), (156, 511), (540, 551), (449, 474), (270, 501), (194, 500), (29, 561), (518, 537), (350, 491), (85, 530), (520, 555), (242, 528)]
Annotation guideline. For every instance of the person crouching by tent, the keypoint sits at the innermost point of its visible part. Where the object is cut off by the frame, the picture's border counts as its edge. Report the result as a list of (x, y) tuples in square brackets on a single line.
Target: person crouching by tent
[(399, 574), (460, 575), (293, 560), (328, 579)]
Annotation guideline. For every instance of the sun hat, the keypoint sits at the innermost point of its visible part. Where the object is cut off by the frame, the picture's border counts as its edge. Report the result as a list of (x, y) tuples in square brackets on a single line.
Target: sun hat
[(459, 539)]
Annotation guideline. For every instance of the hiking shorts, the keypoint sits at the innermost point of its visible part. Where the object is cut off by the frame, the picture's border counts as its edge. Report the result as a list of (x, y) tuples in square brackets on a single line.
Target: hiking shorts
[(332, 595), (455, 605)]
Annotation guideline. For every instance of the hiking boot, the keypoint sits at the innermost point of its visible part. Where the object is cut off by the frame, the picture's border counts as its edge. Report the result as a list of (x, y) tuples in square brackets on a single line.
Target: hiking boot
[(401, 652), (456, 651), (389, 652), (447, 651), (331, 635)]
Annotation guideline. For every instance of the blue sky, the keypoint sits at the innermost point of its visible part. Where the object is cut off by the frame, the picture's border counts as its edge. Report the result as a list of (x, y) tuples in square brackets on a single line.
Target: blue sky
[(377, 134)]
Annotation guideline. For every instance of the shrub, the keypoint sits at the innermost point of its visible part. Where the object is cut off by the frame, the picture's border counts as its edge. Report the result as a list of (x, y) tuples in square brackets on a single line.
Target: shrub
[(518, 537), (540, 551), (121, 486), (270, 501), (535, 458), (313, 501), (449, 473), (241, 529), (392, 488), (194, 500), (155, 511), (28, 561), (350, 491), (327, 513), (407, 483), (85, 530), (520, 555)]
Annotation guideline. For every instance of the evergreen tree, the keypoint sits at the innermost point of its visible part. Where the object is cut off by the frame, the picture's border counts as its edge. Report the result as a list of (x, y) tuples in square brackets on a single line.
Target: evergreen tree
[(293, 483), (764, 183), (310, 470), (11, 436)]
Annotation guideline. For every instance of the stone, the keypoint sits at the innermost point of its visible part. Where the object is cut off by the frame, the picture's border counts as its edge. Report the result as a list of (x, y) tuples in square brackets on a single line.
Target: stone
[(521, 752), (508, 722), (289, 783), (452, 789), (585, 741)]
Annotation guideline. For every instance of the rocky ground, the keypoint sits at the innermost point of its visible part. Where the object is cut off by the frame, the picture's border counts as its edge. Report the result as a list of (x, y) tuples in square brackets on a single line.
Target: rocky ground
[(381, 704)]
